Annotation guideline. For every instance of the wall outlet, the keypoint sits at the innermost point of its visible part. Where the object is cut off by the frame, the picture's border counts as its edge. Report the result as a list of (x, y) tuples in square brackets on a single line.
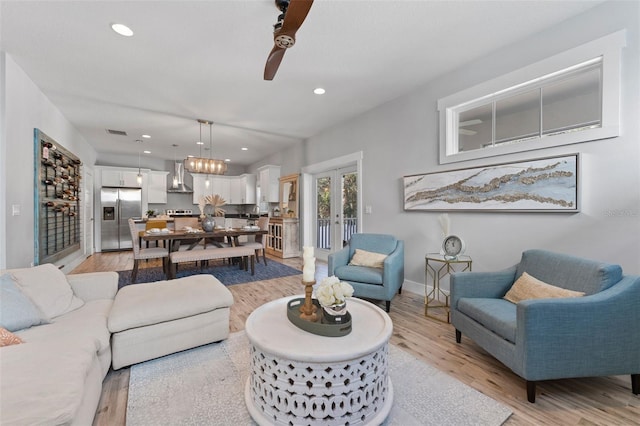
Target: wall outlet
[(367, 209), (15, 210)]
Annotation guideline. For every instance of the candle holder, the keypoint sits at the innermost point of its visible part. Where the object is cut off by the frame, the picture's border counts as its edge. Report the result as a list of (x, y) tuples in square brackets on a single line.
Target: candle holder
[(308, 310)]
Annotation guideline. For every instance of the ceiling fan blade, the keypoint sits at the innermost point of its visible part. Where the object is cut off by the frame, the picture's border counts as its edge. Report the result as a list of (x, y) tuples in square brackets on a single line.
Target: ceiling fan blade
[(273, 62), (285, 36), (295, 16)]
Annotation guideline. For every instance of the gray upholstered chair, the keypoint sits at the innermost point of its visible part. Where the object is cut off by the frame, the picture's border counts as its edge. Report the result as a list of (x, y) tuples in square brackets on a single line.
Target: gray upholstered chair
[(553, 338), (145, 253), (260, 240), (369, 282)]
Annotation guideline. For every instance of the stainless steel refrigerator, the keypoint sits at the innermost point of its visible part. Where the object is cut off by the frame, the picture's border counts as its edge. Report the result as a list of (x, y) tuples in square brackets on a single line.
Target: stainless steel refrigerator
[(118, 205)]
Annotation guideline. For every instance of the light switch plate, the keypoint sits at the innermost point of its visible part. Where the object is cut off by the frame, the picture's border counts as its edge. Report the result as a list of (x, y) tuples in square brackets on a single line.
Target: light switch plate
[(15, 209), (367, 209)]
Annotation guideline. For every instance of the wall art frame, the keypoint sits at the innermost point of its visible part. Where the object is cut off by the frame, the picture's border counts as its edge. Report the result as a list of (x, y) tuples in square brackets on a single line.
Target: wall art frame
[(549, 184)]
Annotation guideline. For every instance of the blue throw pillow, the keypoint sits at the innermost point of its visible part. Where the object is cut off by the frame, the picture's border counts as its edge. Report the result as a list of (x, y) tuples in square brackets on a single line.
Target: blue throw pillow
[(17, 311)]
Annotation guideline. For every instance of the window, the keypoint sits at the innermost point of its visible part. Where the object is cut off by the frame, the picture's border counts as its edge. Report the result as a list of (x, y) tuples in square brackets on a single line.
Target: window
[(569, 98)]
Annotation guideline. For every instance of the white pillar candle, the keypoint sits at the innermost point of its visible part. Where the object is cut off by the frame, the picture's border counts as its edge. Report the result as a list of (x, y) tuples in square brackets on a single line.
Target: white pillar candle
[(309, 264)]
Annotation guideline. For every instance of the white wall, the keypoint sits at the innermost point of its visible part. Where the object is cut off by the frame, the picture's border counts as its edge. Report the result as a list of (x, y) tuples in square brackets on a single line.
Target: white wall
[(27, 108), (401, 138)]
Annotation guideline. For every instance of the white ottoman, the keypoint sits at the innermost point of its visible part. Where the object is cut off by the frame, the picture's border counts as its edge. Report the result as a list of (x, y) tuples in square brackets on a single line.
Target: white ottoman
[(156, 319)]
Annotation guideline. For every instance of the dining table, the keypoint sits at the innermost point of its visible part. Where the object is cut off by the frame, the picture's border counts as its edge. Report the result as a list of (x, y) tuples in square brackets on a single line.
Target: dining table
[(174, 238)]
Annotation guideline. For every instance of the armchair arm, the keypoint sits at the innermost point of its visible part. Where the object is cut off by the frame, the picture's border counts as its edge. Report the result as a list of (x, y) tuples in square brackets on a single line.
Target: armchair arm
[(339, 258), (583, 336), (481, 284), (393, 272), (94, 285)]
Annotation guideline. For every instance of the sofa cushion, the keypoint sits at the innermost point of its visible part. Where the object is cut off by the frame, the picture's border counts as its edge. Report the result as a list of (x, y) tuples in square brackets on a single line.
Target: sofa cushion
[(88, 322), (359, 274), (379, 243), (497, 315), (17, 311), (141, 305), (7, 338), (572, 273), (47, 286), (45, 384), (368, 258), (527, 287)]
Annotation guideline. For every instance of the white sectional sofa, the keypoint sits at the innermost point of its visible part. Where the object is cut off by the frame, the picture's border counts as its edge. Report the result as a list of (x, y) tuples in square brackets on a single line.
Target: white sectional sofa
[(55, 377)]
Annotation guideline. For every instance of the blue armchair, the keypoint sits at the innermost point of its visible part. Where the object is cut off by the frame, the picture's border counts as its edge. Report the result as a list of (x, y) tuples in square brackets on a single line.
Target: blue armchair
[(374, 283), (544, 339)]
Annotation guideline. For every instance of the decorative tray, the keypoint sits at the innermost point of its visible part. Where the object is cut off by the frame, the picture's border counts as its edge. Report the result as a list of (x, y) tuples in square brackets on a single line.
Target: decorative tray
[(321, 327)]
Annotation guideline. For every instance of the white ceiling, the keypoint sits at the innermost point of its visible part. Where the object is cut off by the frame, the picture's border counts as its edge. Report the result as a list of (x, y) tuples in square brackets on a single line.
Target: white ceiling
[(205, 59)]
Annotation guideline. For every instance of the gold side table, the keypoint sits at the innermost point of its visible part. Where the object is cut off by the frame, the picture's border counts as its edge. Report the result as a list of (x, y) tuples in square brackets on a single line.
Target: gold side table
[(436, 268)]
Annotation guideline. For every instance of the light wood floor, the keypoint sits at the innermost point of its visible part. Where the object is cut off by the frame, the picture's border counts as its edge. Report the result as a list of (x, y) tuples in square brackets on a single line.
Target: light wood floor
[(588, 401)]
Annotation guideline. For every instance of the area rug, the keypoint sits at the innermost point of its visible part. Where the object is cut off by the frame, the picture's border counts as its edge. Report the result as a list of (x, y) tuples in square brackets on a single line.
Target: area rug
[(227, 274), (205, 386)]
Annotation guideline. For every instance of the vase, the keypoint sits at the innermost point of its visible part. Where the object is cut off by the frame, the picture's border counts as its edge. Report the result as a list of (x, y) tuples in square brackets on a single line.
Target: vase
[(208, 223), (335, 313)]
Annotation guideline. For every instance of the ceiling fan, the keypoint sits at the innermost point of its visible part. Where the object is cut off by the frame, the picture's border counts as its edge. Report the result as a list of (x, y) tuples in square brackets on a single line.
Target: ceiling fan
[(293, 15)]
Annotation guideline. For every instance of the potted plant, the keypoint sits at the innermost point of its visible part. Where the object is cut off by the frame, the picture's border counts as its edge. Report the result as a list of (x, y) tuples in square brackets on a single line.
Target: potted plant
[(151, 213)]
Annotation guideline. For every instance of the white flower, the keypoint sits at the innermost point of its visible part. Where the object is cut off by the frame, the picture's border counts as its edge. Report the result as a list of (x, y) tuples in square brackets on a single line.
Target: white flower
[(331, 291)]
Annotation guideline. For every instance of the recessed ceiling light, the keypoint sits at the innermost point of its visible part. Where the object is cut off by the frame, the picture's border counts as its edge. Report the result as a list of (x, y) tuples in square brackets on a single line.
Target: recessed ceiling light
[(319, 91), (147, 152), (245, 149), (199, 143), (122, 29), (227, 160), (146, 136)]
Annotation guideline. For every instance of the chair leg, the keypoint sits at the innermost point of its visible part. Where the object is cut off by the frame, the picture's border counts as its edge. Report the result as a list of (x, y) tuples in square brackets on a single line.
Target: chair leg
[(458, 336), (388, 305), (172, 270), (635, 384), (134, 273), (264, 256), (531, 391), (400, 290), (253, 265)]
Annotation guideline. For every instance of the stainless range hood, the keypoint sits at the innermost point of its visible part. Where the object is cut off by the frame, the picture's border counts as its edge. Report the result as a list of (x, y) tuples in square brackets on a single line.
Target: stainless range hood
[(178, 185)]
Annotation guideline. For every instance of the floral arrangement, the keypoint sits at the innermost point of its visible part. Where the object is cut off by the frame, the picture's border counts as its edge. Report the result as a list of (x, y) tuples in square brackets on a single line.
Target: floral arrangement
[(332, 291)]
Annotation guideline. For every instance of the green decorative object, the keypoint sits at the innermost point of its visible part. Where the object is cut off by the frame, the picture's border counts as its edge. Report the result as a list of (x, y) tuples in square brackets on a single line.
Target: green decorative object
[(321, 328)]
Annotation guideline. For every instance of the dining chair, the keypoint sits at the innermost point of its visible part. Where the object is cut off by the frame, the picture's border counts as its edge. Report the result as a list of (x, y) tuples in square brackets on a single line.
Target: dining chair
[(153, 224), (260, 240), (145, 253)]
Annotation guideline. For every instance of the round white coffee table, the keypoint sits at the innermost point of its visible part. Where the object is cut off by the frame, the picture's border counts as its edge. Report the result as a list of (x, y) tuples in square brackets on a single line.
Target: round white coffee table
[(301, 378)]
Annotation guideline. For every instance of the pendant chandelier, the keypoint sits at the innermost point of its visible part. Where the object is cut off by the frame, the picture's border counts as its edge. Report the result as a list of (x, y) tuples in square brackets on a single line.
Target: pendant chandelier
[(209, 166)]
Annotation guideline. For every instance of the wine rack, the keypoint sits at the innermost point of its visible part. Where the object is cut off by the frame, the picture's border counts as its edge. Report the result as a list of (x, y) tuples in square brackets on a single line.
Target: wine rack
[(57, 200)]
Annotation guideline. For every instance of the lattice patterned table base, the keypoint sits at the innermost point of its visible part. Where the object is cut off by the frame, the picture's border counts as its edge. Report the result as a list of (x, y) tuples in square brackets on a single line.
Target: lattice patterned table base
[(286, 392)]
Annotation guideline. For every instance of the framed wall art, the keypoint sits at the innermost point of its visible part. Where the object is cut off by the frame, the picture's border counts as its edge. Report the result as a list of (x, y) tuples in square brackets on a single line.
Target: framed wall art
[(540, 185)]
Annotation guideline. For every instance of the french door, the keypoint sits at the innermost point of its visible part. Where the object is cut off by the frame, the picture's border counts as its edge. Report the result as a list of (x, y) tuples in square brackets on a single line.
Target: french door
[(336, 209)]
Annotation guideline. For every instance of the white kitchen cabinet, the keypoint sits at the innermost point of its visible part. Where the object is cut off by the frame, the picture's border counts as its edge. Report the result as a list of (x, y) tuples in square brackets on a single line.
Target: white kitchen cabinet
[(269, 184), (157, 191), (234, 189), (242, 189), (120, 178), (219, 185)]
